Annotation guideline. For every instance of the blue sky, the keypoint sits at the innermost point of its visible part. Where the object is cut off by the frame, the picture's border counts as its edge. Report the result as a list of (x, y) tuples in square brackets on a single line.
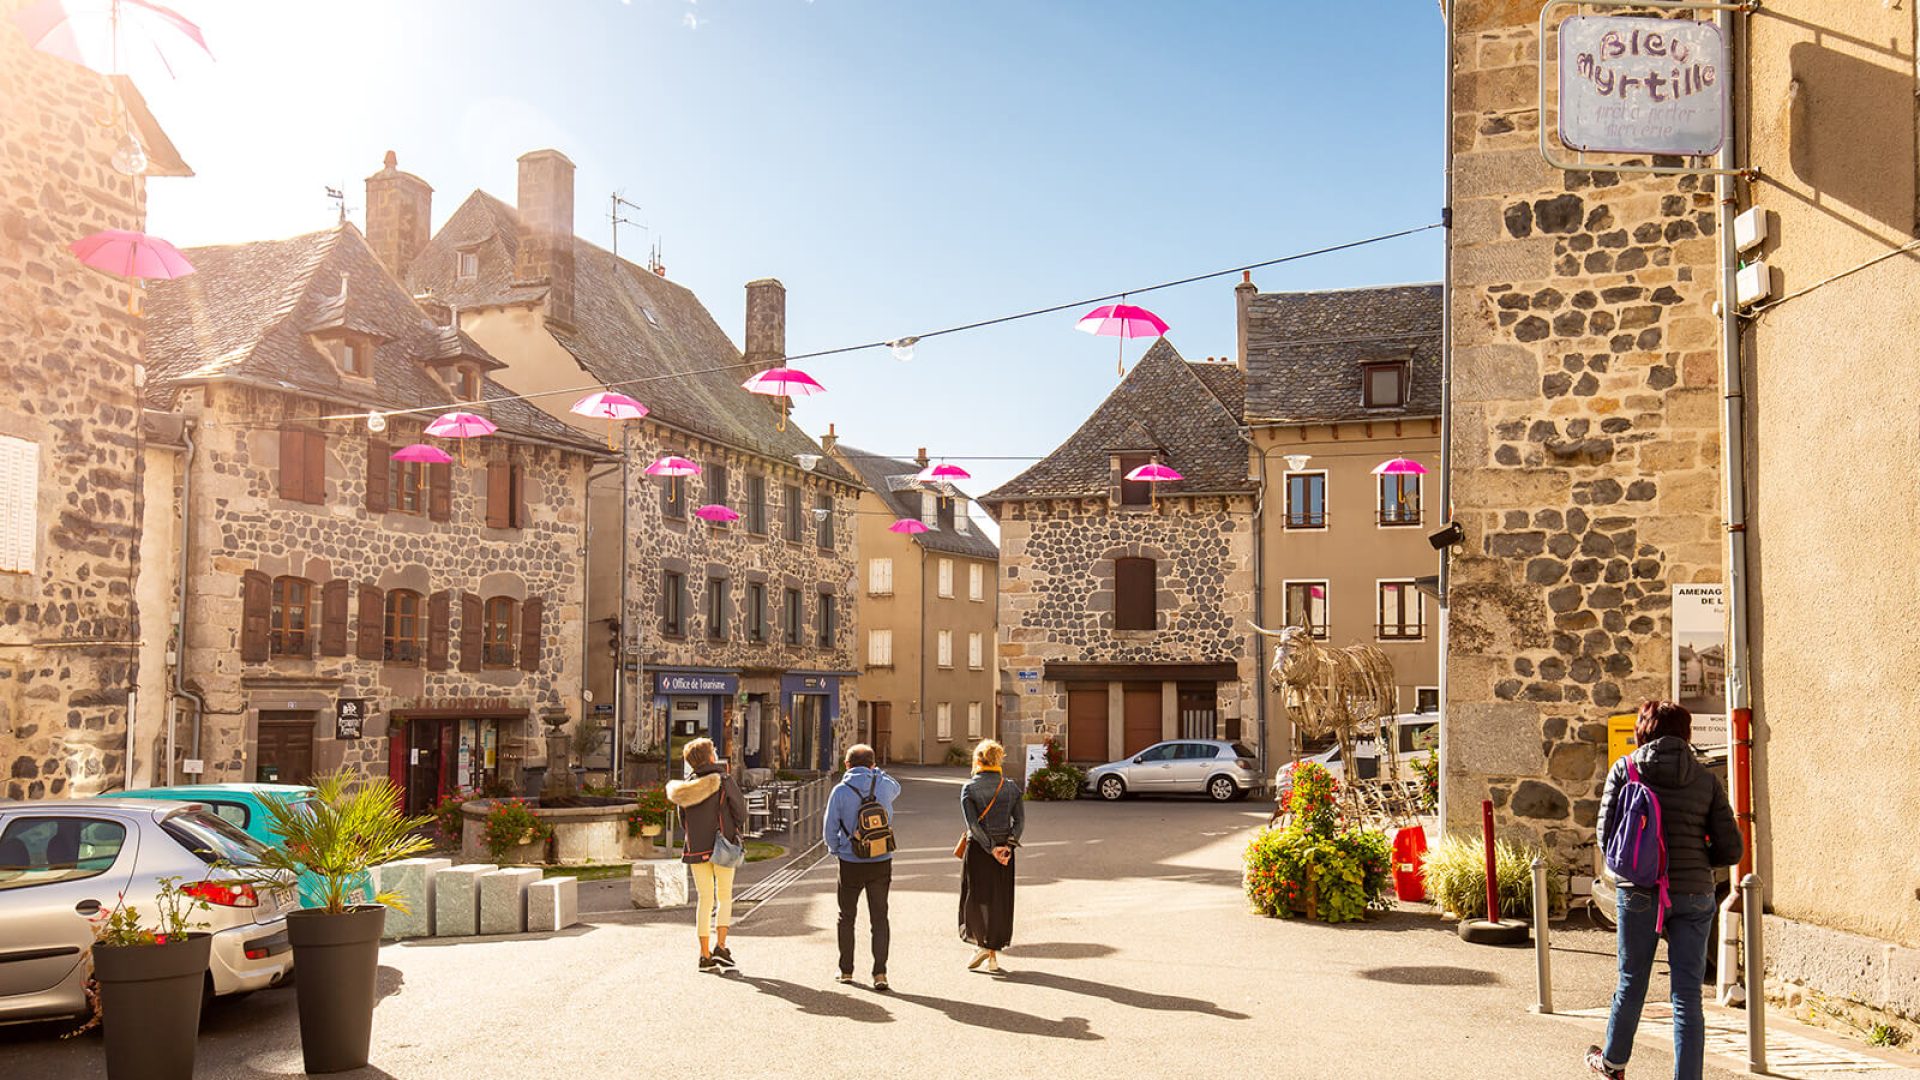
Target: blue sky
[(900, 165)]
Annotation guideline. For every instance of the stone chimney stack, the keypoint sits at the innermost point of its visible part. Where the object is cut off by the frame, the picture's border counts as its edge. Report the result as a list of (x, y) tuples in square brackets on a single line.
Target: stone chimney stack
[(399, 216), (830, 440), (1242, 300), (766, 342), (546, 229), (920, 459)]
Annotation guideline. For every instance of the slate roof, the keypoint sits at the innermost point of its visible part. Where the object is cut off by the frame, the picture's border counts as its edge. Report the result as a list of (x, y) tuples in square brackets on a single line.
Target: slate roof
[(1305, 350), (633, 330), (1182, 410), (248, 313), (890, 479)]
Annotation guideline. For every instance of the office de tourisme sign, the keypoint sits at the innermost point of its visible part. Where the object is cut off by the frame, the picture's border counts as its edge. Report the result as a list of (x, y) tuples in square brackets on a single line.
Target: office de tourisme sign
[(1640, 85)]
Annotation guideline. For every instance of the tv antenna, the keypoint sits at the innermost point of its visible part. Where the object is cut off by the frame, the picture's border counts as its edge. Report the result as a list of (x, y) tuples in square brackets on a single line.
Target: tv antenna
[(616, 203)]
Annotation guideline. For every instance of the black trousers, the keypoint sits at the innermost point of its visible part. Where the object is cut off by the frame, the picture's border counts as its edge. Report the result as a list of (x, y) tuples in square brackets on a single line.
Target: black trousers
[(874, 879)]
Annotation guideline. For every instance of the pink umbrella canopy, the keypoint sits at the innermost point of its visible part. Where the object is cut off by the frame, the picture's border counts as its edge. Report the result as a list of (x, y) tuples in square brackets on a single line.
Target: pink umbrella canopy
[(1400, 466), (783, 382), (1122, 321), (105, 34), (716, 513), (607, 405), (131, 254), (908, 526), (432, 455), (460, 425), (669, 465), (1154, 473), (942, 473)]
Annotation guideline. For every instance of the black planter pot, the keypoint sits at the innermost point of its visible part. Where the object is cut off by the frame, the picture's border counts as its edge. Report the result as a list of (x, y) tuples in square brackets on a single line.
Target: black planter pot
[(336, 959), (150, 1006)]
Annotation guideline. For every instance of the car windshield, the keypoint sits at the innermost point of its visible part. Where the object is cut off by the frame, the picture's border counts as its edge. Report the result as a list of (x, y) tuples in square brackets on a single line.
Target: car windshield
[(1240, 750), (213, 839)]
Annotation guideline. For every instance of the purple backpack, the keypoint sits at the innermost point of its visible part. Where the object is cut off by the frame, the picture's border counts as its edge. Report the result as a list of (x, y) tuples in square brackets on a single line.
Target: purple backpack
[(1636, 848)]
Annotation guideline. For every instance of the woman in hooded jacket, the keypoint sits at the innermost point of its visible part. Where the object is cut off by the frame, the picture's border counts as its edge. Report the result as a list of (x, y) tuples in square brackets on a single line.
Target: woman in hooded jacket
[(1701, 833), (710, 802)]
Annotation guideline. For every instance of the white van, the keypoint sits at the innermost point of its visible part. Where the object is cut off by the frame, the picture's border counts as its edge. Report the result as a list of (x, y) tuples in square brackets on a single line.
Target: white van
[(1416, 738)]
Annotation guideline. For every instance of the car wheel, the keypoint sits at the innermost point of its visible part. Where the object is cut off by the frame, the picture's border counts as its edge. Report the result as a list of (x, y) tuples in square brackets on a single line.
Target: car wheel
[(1112, 788), (1222, 789)]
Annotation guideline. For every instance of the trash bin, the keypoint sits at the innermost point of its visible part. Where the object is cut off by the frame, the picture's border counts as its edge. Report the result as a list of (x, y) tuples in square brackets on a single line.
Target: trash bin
[(1409, 853)]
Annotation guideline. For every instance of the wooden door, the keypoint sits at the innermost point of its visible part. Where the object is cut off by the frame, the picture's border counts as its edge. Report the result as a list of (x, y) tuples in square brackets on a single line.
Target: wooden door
[(880, 714), (1087, 725), (1199, 711), (1141, 709), (284, 749)]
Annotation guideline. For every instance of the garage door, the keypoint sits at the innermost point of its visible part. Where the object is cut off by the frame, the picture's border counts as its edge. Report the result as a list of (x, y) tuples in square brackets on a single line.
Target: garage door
[(1087, 725), (1142, 707)]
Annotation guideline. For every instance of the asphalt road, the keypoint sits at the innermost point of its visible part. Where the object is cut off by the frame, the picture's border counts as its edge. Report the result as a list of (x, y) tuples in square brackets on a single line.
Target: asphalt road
[(1133, 954)]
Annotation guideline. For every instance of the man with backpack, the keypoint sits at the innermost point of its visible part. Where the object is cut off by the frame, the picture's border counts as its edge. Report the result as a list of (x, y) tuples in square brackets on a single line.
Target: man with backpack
[(859, 832), (1665, 824)]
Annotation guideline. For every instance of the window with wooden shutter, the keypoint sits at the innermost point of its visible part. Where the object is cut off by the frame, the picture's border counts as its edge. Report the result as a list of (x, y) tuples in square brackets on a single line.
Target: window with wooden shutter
[(946, 578), (498, 636), (943, 722), (1134, 492), (879, 648), (531, 632), (19, 504), (256, 609), (756, 612), (333, 618), (1134, 600), (517, 499), (880, 577), (470, 632), (303, 465), (673, 604), (379, 466), (976, 582), (790, 503), (793, 617), (823, 512), (973, 720), (943, 649), (439, 629), (719, 603), (757, 505), (717, 485), (976, 650), (404, 637), (407, 490), (290, 618), (371, 643), (499, 495), (826, 622), (440, 488)]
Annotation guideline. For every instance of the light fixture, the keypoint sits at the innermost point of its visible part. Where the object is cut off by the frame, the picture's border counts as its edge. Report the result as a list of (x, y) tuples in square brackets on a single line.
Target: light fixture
[(376, 422), (129, 158), (903, 347), (1448, 537), (820, 513), (1296, 462), (807, 461)]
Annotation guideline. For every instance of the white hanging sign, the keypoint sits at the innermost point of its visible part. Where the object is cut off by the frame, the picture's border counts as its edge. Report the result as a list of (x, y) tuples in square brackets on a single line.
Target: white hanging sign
[(1639, 85)]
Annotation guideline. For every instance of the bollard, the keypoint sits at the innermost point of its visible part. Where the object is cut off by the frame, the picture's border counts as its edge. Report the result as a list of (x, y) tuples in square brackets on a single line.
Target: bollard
[(1493, 871), (1755, 974), (1542, 960)]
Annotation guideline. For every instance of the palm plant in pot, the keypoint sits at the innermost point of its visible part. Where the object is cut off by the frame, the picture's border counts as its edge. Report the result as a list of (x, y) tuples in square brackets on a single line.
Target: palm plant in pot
[(149, 985), (349, 827)]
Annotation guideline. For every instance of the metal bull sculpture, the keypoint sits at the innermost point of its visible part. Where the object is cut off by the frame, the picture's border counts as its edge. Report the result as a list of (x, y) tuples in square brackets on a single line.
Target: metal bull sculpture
[(1344, 691)]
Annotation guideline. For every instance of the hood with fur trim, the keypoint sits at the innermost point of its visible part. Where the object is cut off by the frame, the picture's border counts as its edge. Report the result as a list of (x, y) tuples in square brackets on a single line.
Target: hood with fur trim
[(690, 792)]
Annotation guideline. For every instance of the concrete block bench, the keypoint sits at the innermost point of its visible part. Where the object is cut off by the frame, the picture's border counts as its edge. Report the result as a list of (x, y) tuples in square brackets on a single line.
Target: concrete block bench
[(553, 904), (456, 899), (503, 899), (659, 884), (412, 880)]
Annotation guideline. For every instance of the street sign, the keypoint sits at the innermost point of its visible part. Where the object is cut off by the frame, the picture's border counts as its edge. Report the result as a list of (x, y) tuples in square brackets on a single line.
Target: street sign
[(349, 717), (1642, 86), (1027, 675)]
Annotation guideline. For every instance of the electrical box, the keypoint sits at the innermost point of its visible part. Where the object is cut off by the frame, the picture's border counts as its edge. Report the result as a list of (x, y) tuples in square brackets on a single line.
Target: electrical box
[(1752, 283), (1750, 229)]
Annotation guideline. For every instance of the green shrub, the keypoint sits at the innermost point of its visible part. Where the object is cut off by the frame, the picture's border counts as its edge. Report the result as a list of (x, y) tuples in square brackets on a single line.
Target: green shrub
[(1056, 783), (958, 755), (510, 824), (446, 817), (1456, 877), (1315, 866)]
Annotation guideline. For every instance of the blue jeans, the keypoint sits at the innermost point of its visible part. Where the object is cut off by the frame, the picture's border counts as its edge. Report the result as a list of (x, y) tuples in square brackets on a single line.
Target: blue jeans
[(1687, 927)]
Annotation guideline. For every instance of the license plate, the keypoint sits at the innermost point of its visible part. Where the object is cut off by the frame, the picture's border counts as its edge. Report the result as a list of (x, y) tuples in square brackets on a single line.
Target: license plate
[(273, 902)]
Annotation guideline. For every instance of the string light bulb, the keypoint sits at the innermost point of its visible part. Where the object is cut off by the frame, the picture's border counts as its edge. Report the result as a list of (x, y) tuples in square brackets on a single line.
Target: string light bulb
[(1296, 462), (376, 422), (129, 158), (903, 347), (807, 461)]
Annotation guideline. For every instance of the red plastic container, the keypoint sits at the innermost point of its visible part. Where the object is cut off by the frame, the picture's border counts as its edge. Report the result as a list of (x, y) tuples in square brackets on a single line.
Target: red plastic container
[(1409, 853)]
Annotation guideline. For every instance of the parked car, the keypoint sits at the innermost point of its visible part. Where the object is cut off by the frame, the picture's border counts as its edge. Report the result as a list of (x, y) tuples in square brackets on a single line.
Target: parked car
[(244, 806), (1416, 737), (65, 863), (1219, 769)]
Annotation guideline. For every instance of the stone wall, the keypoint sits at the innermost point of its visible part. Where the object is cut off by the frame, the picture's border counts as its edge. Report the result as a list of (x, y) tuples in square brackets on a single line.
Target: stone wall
[(67, 385), (1585, 442)]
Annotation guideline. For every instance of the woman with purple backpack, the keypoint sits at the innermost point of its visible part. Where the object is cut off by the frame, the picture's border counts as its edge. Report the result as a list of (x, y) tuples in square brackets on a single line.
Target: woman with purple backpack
[(1665, 824)]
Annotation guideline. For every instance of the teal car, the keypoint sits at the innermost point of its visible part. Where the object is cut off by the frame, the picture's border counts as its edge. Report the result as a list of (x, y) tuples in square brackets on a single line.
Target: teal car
[(244, 806)]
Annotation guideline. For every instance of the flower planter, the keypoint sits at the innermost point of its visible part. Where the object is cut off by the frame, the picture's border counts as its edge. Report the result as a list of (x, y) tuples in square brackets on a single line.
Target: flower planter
[(150, 1006), (651, 831), (337, 958)]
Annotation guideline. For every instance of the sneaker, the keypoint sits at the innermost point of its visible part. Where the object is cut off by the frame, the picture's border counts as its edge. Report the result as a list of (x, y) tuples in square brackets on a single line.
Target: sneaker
[(1597, 1062), (978, 958), (880, 983), (993, 964), (708, 963), (724, 956), (844, 978)]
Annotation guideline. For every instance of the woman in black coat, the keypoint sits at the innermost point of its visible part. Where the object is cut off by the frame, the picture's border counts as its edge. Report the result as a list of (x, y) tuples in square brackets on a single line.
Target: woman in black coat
[(994, 814)]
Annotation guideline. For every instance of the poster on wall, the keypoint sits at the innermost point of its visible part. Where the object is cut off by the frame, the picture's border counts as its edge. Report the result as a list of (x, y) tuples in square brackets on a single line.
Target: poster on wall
[(349, 717), (1642, 85), (1700, 659)]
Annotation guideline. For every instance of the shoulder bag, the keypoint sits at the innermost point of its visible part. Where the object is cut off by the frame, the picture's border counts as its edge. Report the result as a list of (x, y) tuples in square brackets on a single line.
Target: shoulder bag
[(727, 851), (966, 838)]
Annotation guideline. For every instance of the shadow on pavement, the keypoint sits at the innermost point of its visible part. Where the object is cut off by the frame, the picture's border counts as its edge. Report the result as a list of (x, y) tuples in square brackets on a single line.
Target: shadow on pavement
[(817, 1002), (1434, 975), (1120, 995), (576, 930), (1063, 950), (995, 1018)]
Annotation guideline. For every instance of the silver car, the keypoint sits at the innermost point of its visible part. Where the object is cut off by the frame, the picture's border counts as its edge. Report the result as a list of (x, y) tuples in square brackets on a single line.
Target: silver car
[(1219, 769), (66, 863)]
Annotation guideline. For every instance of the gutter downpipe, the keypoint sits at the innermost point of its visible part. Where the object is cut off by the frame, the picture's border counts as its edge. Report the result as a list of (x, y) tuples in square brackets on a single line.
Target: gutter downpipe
[(1446, 400), (1259, 603), (180, 608), (616, 755), (628, 624), (1733, 488)]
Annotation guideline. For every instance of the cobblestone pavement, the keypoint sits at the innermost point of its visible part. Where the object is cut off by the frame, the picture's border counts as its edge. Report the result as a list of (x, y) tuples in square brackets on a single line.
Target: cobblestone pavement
[(1133, 954)]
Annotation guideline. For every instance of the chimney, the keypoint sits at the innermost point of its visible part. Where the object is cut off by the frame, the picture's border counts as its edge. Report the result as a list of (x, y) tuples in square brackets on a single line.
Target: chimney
[(766, 324), (920, 459), (546, 229), (829, 440), (399, 216), (1242, 300)]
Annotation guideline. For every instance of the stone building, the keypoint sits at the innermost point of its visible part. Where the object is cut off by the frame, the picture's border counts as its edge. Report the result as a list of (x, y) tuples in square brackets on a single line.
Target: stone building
[(1338, 382), (1585, 442), (69, 425), (315, 577), (1126, 606), (743, 631), (927, 607)]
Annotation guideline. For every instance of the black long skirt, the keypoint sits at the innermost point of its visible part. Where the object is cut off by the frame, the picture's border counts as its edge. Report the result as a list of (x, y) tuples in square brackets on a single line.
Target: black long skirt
[(986, 900)]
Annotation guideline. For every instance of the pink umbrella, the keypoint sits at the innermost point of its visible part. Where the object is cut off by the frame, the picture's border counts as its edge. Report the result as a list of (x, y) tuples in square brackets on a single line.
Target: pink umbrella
[(1400, 466), (133, 255), (607, 405), (1154, 473), (908, 526), (673, 468), (461, 425), (432, 455), (101, 33), (715, 513), (784, 383), (1121, 321), (942, 473)]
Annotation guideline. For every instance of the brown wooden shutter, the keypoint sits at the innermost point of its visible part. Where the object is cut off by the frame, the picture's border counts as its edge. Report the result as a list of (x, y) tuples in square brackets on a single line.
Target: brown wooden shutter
[(470, 640), (377, 465), (1134, 606), (256, 609), (439, 617), (499, 495), (518, 501), (530, 611), (373, 623), (293, 464), (315, 459), (333, 618), (440, 491)]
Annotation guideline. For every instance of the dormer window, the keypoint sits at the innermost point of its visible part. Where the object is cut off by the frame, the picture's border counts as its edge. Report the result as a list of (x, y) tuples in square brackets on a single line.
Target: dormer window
[(1134, 492), (466, 264), (353, 354), (1384, 385)]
